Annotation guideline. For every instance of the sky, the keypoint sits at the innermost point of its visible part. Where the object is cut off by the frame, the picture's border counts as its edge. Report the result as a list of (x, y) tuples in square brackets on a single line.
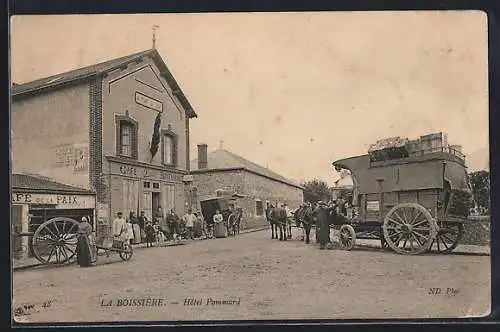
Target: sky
[(293, 91)]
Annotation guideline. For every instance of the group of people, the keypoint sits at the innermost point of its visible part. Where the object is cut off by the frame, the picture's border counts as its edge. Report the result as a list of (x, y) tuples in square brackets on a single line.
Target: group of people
[(135, 230), (321, 214)]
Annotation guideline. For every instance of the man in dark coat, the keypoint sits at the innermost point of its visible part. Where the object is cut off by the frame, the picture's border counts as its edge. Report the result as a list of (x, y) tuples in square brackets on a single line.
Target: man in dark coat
[(322, 213)]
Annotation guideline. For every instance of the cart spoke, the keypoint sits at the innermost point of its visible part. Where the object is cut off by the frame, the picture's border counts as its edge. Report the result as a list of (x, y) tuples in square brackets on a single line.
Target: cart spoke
[(421, 235), (445, 245), (417, 239), (57, 228), (50, 254), (397, 215), (396, 222), (420, 222), (63, 250), (416, 217), (51, 233)]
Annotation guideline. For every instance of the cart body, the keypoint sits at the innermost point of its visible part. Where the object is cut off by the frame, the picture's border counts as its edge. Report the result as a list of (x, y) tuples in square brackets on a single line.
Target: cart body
[(395, 182)]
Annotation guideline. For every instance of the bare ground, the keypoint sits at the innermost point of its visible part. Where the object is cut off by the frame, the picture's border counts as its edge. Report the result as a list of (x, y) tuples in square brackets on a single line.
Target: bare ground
[(271, 279)]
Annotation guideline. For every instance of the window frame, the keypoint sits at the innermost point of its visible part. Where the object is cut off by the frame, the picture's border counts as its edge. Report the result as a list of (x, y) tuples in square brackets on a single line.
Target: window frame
[(120, 121), (262, 208), (174, 137)]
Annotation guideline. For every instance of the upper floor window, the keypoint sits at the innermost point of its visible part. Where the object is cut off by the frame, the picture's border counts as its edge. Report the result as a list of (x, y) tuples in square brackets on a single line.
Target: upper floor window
[(126, 137), (169, 148)]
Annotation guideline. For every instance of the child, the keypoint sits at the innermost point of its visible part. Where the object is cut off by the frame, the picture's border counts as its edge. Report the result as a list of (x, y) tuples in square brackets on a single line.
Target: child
[(150, 233)]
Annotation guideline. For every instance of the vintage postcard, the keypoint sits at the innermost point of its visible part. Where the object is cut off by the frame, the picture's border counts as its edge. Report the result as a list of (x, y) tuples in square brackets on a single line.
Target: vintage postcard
[(250, 166)]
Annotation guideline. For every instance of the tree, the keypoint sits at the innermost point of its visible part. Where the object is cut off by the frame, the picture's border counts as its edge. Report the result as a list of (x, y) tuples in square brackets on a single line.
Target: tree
[(480, 183), (316, 190)]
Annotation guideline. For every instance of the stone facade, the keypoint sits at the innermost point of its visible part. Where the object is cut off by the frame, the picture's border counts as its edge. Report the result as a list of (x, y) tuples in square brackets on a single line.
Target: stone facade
[(254, 187)]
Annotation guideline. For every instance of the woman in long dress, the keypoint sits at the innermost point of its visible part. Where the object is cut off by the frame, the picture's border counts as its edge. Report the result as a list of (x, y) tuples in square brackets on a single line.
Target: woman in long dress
[(136, 229), (86, 253), (130, 231)]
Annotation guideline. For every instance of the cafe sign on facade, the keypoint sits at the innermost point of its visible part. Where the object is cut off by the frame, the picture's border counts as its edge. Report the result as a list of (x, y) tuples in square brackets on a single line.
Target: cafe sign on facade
[(60, 201)]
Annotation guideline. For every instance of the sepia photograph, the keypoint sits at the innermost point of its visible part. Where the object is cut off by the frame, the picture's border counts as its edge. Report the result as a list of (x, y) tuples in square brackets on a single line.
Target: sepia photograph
[(249, 166)]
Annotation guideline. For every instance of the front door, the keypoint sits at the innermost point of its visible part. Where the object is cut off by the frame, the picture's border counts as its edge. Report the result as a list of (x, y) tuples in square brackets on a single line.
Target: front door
[(155, 201)]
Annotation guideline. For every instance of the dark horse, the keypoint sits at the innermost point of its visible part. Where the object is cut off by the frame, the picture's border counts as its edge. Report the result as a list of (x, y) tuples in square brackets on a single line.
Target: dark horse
[(305, 219), (278, 221)]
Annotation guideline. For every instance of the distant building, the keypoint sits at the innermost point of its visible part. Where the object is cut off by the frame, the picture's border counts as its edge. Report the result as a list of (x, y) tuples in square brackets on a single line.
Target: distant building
[(225, 171), (343, 185), (93, 128)]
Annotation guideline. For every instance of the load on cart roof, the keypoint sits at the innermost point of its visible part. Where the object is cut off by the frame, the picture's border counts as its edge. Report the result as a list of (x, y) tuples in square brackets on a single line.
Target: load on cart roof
[(397, 164)]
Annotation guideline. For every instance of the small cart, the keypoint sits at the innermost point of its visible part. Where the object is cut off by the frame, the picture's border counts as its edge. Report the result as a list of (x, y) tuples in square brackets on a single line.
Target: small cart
[(108, 245)]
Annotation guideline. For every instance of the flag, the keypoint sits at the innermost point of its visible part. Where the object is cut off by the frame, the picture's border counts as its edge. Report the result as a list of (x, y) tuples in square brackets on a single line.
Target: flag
[(155, 140)]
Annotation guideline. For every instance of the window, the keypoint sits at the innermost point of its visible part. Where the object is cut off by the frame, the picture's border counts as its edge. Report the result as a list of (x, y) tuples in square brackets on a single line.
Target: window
[(259, 208), (126, 137), (169, 148), (147, 184)]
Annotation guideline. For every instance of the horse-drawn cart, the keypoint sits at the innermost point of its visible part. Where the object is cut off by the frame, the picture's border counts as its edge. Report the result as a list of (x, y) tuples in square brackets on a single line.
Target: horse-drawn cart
[(411, 197), (225, 205)]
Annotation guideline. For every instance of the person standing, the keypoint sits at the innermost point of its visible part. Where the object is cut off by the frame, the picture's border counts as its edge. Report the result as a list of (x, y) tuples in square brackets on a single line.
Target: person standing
[(160, 220), (86, 252), (119, 227), (323, 222), (189, 219), (135, 228), (142, 220), (201, 221), (218, 220), (173, 224), (130, 229)]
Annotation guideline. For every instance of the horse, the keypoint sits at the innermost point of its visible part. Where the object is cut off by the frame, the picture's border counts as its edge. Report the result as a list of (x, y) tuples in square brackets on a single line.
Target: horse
[(305, 218), (281, 221), (272, 222)]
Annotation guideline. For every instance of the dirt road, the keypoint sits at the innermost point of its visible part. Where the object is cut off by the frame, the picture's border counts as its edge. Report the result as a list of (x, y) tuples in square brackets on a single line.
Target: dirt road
[(254, 277)]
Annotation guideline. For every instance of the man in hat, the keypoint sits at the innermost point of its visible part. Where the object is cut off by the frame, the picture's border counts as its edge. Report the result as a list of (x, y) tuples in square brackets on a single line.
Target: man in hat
[(323, 224)]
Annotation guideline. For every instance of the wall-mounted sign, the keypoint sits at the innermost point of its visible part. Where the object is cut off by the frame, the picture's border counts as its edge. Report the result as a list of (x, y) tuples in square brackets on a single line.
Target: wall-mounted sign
[(373, 206), (145, 173), (148, 102), (71, 155), (81, 158), (60, 201), (63, 155)]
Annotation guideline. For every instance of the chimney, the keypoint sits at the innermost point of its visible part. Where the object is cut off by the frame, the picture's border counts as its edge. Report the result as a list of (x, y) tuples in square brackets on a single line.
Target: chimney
[(202, 156)]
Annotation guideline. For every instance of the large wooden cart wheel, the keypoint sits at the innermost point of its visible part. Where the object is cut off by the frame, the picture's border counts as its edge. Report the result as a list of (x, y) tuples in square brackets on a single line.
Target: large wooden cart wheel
[(409, 229), (54, 241), (347, 237), (447, 238), (127, 252)]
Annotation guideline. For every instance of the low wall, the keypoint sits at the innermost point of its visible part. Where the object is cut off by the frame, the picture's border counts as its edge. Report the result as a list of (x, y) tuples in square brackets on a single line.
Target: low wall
[(477, 232), (251, 223)]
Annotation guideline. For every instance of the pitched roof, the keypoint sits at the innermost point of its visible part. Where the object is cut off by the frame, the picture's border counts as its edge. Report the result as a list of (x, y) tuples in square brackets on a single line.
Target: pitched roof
[(35, 183), (222, 159), (85, 73)]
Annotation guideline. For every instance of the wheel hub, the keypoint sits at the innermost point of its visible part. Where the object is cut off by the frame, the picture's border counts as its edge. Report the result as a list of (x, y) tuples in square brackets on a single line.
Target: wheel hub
[(407, 228)]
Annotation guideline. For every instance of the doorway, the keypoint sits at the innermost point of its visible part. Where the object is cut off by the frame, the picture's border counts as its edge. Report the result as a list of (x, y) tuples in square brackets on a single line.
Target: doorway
[(155, 201)]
